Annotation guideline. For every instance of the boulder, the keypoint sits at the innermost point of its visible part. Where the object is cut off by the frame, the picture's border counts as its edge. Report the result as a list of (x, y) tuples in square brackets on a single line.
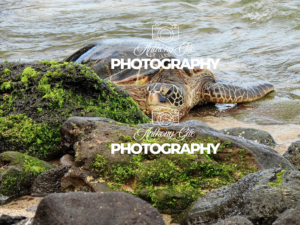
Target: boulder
[(17, 173), (35, 100), (260, 197), (289, 217), (95, 208), (293, 154), (170, 182), (260, 136), (236, 220), (49, 182), (9, 220), (78, 180)]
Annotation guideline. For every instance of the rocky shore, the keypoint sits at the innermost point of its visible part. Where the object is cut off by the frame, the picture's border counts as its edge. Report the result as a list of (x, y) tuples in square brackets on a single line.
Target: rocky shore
[(63, 111)]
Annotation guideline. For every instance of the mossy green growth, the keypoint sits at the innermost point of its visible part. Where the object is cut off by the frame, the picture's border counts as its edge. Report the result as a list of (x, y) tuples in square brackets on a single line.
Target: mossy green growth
[(98, 165), (24, 134), (18, 172), (172, 182), (49, 93), (279, 179)]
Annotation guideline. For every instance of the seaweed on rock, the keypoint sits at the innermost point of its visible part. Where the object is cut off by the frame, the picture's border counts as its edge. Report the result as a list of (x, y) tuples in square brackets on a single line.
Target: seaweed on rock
[(35, 100)]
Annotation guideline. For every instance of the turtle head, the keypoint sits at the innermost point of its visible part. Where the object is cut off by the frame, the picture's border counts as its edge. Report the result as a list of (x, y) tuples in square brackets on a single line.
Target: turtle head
[(163, 97)]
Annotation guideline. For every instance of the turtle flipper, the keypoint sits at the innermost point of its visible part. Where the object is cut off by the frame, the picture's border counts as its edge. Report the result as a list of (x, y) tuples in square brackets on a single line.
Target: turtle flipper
[(227, 93)]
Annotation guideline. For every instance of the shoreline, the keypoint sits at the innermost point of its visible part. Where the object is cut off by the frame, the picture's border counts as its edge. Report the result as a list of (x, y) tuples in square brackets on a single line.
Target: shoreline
[(284, 135)]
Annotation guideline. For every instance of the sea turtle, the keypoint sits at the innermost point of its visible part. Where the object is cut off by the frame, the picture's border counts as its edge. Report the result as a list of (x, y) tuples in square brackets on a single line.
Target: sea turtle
[(161, 90)]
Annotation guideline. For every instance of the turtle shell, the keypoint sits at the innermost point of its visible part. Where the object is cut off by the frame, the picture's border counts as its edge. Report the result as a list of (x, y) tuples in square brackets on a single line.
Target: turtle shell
[(99, 55)]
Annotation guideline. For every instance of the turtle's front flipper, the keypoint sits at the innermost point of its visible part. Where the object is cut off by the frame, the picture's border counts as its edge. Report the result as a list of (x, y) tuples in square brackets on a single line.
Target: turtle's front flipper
[(227, 93)]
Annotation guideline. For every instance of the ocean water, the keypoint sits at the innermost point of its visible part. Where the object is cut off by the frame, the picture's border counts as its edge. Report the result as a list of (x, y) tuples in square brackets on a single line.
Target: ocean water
[(255, 40)]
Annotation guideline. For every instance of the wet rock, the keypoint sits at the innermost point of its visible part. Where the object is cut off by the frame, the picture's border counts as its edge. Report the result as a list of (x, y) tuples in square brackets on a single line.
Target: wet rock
[(17, 173), (89, 136), (67, 160), (293, 154), (8, 220), (94, 208), (49, 182), (37, 98), (177, 178), (78, 180), (289, 217), (256, 135), (260, 197), (236, 220)]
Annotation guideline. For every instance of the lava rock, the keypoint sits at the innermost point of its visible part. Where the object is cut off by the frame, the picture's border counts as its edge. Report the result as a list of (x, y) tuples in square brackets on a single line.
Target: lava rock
[(8, 220), (17, 174), (36, 98), (49, 182), (293, 154), (89, 136), (78, 180), (289, 217), (236, 220), (260, 197), (95, 208), (260, 136)]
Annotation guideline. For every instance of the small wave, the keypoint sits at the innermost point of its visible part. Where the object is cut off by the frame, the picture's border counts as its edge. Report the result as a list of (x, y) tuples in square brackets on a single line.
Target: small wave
[(263, 12)]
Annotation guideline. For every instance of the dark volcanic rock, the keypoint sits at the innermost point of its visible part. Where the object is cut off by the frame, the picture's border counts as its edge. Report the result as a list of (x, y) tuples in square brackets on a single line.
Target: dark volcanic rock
[(293, 154), (289, 217), (177, 178), (95, 208), (35, 100), (78, 180), (17, 174), (260, 197), (49, 182), (8, 220), (88, 136), (236, 220), (260, 136)]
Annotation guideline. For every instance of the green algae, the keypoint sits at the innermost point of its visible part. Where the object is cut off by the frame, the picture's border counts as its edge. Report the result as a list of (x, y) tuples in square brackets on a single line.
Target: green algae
[(48, 94), (19, 172), (278, 180), (172, 182)]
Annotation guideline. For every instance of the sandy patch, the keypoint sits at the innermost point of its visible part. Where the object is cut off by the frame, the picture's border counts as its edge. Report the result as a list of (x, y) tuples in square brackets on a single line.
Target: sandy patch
[(18, 206)]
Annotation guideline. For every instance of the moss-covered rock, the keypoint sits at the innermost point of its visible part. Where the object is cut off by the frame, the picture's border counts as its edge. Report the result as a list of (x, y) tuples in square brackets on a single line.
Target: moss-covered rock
[(253, 134), (293, 154), (17, 173), (260, 197), (35, 100), (169, 182)]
